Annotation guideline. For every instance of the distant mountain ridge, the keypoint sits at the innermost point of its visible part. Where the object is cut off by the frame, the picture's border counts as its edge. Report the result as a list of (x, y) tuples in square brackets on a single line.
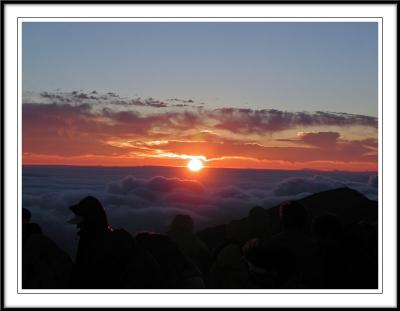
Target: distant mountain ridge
[(348, 204)]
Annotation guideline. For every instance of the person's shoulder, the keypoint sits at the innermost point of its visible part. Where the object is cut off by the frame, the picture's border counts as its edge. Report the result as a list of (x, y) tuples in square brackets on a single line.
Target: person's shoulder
[(42, 244), (120, 236), (39, 241), (120, 232)]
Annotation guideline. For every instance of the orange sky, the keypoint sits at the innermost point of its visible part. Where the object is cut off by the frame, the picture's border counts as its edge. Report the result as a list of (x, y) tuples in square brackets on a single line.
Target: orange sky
[(34, 159), (84, 134)]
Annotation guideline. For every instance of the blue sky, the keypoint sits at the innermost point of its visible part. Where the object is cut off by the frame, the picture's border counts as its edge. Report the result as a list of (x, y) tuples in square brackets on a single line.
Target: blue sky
[(289, 66)]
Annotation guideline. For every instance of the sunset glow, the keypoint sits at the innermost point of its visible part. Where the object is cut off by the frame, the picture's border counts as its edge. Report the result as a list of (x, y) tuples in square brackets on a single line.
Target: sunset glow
[(195, 165), (232, 118)]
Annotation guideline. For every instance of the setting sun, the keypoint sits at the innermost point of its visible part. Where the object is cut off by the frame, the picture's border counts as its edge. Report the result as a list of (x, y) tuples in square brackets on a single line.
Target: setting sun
[(195, 165)]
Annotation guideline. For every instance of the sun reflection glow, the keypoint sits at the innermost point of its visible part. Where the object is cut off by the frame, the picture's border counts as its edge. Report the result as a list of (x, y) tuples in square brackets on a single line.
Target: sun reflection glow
[(195, 165)]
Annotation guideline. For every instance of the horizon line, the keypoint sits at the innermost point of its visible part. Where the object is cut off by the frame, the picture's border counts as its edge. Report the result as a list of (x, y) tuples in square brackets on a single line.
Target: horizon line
[(184, 166)]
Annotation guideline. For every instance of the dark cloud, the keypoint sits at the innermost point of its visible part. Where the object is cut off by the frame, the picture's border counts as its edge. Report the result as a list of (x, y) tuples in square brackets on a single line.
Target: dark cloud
[(320, 139), (181, 105), (54, 97), (249, 121), (82, 96), (109, 98), (170, 120), (317, 139), (72, 97), (236, 120), (185, 101), (138, 102)]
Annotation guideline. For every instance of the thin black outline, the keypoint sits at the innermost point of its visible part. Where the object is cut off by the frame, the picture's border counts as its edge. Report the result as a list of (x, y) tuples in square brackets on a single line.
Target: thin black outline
[(183, 2), (2, 157), (195, 2), (18, 154)]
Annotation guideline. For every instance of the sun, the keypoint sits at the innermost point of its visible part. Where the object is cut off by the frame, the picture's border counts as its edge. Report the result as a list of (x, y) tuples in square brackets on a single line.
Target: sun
[(195, 165)]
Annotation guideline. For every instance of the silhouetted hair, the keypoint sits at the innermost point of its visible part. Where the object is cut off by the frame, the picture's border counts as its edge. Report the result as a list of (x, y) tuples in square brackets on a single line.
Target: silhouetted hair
[(26, 214), (294, 216), (182, 223), (92, 211), (327, 227)]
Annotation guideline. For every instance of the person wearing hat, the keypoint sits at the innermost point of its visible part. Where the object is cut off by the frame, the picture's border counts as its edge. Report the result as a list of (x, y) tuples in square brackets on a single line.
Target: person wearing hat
[(103, 252)]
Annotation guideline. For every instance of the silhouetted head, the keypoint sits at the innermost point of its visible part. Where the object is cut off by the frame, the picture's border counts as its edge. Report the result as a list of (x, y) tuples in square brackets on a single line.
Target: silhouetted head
[(89, 215), (26, 215), (182, 223), (30, 229), (327, 227), (294, 216)]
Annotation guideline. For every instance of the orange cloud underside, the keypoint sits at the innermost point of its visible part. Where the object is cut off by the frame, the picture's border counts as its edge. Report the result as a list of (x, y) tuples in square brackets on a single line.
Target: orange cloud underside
[(77, 135), (357, 155)]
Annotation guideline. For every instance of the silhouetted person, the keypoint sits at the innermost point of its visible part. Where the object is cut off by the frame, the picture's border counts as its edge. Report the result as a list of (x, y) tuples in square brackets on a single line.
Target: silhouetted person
[(28, 228), (289, 255), (44, 264), (256, 225), (361, 249), (327, 228), (26, 216), (181, 232), (295, 248), (331, 258), (177, 270), (143, 271), (229, 270), (294, 217), (369, 240), (261, 263), (102, 255)]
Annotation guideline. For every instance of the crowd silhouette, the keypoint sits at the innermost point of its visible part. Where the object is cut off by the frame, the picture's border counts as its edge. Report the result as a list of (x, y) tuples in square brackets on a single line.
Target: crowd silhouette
[(305, 253)]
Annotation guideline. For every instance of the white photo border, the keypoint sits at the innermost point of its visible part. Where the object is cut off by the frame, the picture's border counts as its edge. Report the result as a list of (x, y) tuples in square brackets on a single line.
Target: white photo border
[(384, 15)]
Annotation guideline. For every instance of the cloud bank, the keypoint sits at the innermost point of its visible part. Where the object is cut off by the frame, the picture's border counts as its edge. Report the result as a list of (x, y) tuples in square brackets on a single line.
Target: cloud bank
[(139, 199)]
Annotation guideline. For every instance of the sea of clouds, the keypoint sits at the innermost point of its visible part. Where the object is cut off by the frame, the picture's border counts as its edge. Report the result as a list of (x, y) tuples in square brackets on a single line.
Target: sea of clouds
[(147, 198)]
